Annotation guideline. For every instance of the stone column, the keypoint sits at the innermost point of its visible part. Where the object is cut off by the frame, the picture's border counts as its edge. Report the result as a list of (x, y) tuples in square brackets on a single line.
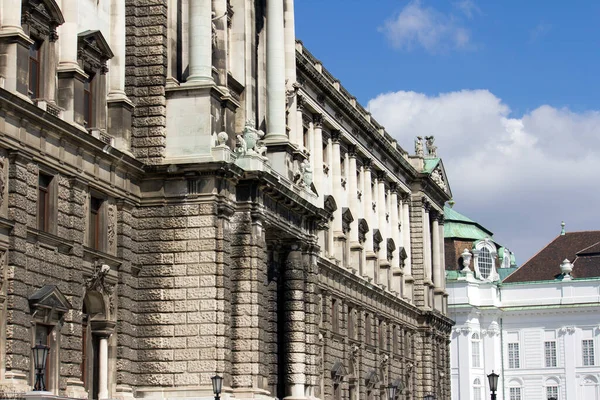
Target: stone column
[(276, 130), (295, 328), (290, 65), (200, 41), (427, 276), (396, 284), (408, 279), (11, 16), (355, 246), (371, 257), (219, 52), (103, 330), (116, 75), (312, 311), (443, 264), (384, 265), (68, 34), (337, 194), (297, 135), (438, 275), (317, 156)]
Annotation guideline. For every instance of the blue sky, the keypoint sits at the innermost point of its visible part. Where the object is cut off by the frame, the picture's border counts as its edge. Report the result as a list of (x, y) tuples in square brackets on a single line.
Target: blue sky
[(526, 52), (509, 88)]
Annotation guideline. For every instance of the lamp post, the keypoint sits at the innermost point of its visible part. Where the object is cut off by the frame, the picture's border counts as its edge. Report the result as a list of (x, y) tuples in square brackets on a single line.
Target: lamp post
[(493, 381), (429, 397), (217, 383), (40, 354), (391, 391)]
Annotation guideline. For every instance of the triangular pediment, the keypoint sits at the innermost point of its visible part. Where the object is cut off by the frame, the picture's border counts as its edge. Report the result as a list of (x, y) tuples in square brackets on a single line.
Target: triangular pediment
[(338, 370), (49, 297), (372, 378), (329, 204), (437, 173), (95, 42), (377, 238)]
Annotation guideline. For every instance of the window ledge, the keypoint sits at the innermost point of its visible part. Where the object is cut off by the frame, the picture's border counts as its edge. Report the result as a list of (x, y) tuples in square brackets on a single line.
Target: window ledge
[(49, 241), (102, 257)]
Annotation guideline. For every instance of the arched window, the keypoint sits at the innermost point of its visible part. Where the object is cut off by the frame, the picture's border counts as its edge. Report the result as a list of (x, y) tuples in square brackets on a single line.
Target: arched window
[(485, 262), (552, 389), (476, 351), (477, 389)]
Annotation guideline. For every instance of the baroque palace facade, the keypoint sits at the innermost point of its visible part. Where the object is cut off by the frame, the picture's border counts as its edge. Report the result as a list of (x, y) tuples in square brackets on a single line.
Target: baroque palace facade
[(185, 191)]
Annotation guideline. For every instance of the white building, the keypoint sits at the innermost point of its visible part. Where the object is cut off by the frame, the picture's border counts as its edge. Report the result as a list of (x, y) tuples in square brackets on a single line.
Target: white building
[(538, 327)]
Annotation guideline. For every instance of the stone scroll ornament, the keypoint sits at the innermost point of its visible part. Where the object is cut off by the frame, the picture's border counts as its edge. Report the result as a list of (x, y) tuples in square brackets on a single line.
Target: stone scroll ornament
[(249, 143)]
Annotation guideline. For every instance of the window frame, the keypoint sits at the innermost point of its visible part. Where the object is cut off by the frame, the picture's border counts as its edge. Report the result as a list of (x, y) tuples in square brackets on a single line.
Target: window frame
[(588, 358), (476, 344), (550, 354), (37, 45), (335, 316), (514, 355), (477, 389), (552, 391), (46, 210), (517, 395)]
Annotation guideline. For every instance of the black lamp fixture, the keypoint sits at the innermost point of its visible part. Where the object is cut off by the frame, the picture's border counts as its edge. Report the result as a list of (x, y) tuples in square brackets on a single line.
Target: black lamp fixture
[(391, 391), (217, 382), (429, 397), (552, 398), (493, 381), (40, 355)]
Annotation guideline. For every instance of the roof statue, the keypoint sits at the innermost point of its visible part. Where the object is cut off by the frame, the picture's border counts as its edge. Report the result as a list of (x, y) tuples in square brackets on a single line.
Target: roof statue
[(562, 228), (431, 148), (419, 146)]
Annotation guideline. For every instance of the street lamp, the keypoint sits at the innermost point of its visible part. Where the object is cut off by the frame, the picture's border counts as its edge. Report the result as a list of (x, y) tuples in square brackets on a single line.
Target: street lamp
[(217, 382), (429, 397), (391, 392), (493, 381), (40, 354)]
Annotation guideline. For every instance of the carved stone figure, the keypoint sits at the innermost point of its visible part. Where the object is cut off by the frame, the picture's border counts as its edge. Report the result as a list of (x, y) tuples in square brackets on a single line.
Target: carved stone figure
[(97, 281), (304, 176), (111, 231), (437, 177), (291, 89), (222, 139), (431, 148), (248, 142), (419, 146)]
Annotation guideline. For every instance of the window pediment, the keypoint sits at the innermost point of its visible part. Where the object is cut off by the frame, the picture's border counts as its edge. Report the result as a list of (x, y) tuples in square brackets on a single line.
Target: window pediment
[(391, 246), (338, 371), (372, 379), (93, 51), (347, 219), (329, 204), (363, 228), (48, 304), (41, 18)]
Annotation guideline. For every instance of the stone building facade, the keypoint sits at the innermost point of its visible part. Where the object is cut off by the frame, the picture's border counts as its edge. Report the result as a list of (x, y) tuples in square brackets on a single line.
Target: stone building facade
[(186, 191)]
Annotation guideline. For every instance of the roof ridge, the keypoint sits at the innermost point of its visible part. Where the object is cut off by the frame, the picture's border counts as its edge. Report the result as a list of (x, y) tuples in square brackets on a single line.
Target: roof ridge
[(584, 249)]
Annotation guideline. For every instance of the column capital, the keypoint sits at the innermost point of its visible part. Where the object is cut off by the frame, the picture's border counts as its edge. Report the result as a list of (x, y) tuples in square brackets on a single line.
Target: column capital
[(381, 176), (352, 151), (300, 102), (318, 119), (367, 163), (336, 136)]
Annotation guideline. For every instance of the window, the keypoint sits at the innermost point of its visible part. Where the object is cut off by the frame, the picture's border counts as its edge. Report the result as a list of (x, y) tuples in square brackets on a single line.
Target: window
[(43, 212), (513, 355), (335, 315), (550, 353), (587, 347), (88, 101), (477, 393), (475, 351), (515, 393), (351, 323), (485, 262), (368, 327), (551, 392), (34, 69), (95, 228)]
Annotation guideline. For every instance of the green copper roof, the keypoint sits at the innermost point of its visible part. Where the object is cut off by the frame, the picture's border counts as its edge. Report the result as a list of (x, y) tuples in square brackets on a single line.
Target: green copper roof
[(452, 215), (430, 164), (457, 225), (504, 272)]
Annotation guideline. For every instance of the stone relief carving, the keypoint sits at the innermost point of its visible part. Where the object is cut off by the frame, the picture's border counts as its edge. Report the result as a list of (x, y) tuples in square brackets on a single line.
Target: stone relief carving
[(97, 281), (567, 329), (431, 148), (111, 230), (291, 89), (2, 264), (438, 178), (249, 143), (2, 179), (419, 146), (304, 176)]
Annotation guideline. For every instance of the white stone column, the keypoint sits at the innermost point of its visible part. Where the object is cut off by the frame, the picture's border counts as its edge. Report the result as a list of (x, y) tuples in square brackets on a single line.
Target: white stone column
[(443, 265), (68, 35), (384, 265), (116, 73), (290, 65), (297, 135), (11, 16), (317, 157), (438, 275), (408, 279), (200, 41), (352, 194), (103, 368), (276, 130), (337, 194), (396, 284), (368, 212), (427, 281)]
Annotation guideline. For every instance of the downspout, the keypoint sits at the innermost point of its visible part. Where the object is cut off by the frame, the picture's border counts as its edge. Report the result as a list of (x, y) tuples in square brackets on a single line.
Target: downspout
[(502, 359)]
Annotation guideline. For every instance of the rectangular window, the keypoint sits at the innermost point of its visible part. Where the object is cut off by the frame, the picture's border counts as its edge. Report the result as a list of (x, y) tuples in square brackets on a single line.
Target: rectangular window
[(550, 354), (43, 212), (515, 393), (477, 393), (587, 347), (95, 231), (335, 326), (34, 69), (88, 102), (476, 354), (552, 392), (351, 322), (513, 355)]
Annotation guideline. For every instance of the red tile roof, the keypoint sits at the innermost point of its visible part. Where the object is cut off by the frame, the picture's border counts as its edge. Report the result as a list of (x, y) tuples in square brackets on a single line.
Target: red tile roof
[(581, 248)]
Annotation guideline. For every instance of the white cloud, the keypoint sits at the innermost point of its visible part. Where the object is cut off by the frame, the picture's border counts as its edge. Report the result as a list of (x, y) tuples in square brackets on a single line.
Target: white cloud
[(468, 7), (539, 31), (519, 177), (417, 25)]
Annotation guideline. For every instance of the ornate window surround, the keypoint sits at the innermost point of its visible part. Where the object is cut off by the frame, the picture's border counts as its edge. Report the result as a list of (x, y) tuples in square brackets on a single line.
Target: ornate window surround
[(489, 245)]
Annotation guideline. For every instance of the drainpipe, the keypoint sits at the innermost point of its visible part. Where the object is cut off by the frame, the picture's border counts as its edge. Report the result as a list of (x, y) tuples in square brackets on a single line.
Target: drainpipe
[(502, 359)]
